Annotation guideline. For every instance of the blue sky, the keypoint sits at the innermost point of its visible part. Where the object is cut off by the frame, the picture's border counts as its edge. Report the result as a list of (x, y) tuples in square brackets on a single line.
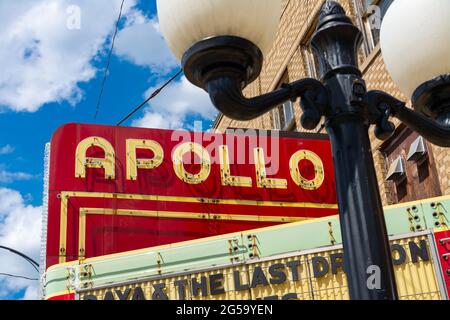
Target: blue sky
[(52, 69)]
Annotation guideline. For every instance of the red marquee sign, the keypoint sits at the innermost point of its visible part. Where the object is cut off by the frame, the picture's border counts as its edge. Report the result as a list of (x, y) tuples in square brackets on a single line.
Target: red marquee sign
[(116, 189)]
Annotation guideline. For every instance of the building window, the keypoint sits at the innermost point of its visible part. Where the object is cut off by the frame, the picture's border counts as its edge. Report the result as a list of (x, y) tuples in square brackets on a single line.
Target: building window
[(411, 172), (288, 112), (310, 61), (370, 15), (276, 119), (283, 117)]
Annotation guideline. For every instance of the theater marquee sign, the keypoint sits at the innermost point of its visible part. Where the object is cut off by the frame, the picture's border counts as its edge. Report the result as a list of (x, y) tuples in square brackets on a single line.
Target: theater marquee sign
[(314, 275), (116, 189)]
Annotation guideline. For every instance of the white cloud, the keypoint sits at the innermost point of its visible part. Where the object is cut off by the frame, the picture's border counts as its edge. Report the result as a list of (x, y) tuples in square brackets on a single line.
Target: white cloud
[(42, 59), (142, 43), (20, 227), (172, 107), (6, 149), (8, 177)]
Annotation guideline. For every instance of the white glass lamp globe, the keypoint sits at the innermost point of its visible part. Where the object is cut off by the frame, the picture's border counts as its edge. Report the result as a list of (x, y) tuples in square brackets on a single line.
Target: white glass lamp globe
[(415, 42), (186, 22)]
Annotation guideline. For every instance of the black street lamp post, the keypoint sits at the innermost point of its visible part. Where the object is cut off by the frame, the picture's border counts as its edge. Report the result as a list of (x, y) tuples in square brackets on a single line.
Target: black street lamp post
[(348, 117), (224, 65)]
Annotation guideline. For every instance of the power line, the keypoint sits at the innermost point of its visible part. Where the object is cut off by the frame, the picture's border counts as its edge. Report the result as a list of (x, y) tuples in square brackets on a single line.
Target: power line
[(15, 276), (105, 76), (153, 95), (31, 261)]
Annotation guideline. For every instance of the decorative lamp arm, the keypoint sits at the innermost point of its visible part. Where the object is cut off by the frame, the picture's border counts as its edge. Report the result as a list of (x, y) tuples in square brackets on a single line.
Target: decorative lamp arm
[(425, 126), (226, 94)]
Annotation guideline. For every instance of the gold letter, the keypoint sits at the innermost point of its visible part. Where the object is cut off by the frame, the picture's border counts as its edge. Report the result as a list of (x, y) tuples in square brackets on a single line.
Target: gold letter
[(178, 166), (318, 169), (261, 176), (225, 172), (82, 162), (133, 164)]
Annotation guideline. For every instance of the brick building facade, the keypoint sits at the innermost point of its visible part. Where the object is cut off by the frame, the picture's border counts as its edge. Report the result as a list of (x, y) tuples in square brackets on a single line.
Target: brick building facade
[(291, 59)]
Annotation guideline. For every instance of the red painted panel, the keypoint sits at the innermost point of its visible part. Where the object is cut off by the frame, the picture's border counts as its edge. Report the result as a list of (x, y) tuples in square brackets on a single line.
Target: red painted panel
[(443, 245), (107, 234), (64, 297)]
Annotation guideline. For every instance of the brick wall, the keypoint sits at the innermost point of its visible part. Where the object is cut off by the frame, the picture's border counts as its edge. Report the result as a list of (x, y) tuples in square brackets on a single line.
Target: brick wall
[(297, 20)]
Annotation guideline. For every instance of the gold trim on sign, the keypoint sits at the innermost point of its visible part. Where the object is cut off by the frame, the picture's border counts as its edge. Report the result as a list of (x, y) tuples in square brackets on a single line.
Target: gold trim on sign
[(63, 229), (183, 243), (66, 195), (170, 215)]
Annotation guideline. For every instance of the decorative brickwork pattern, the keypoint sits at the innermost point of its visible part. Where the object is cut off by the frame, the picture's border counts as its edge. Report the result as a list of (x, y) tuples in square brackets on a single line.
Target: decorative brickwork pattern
[(442, 157)]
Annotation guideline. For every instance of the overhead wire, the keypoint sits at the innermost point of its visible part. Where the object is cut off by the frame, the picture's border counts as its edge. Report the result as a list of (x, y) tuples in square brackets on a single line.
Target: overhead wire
[(105, 76), (153, 95), (31, 261), (16, 276)]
